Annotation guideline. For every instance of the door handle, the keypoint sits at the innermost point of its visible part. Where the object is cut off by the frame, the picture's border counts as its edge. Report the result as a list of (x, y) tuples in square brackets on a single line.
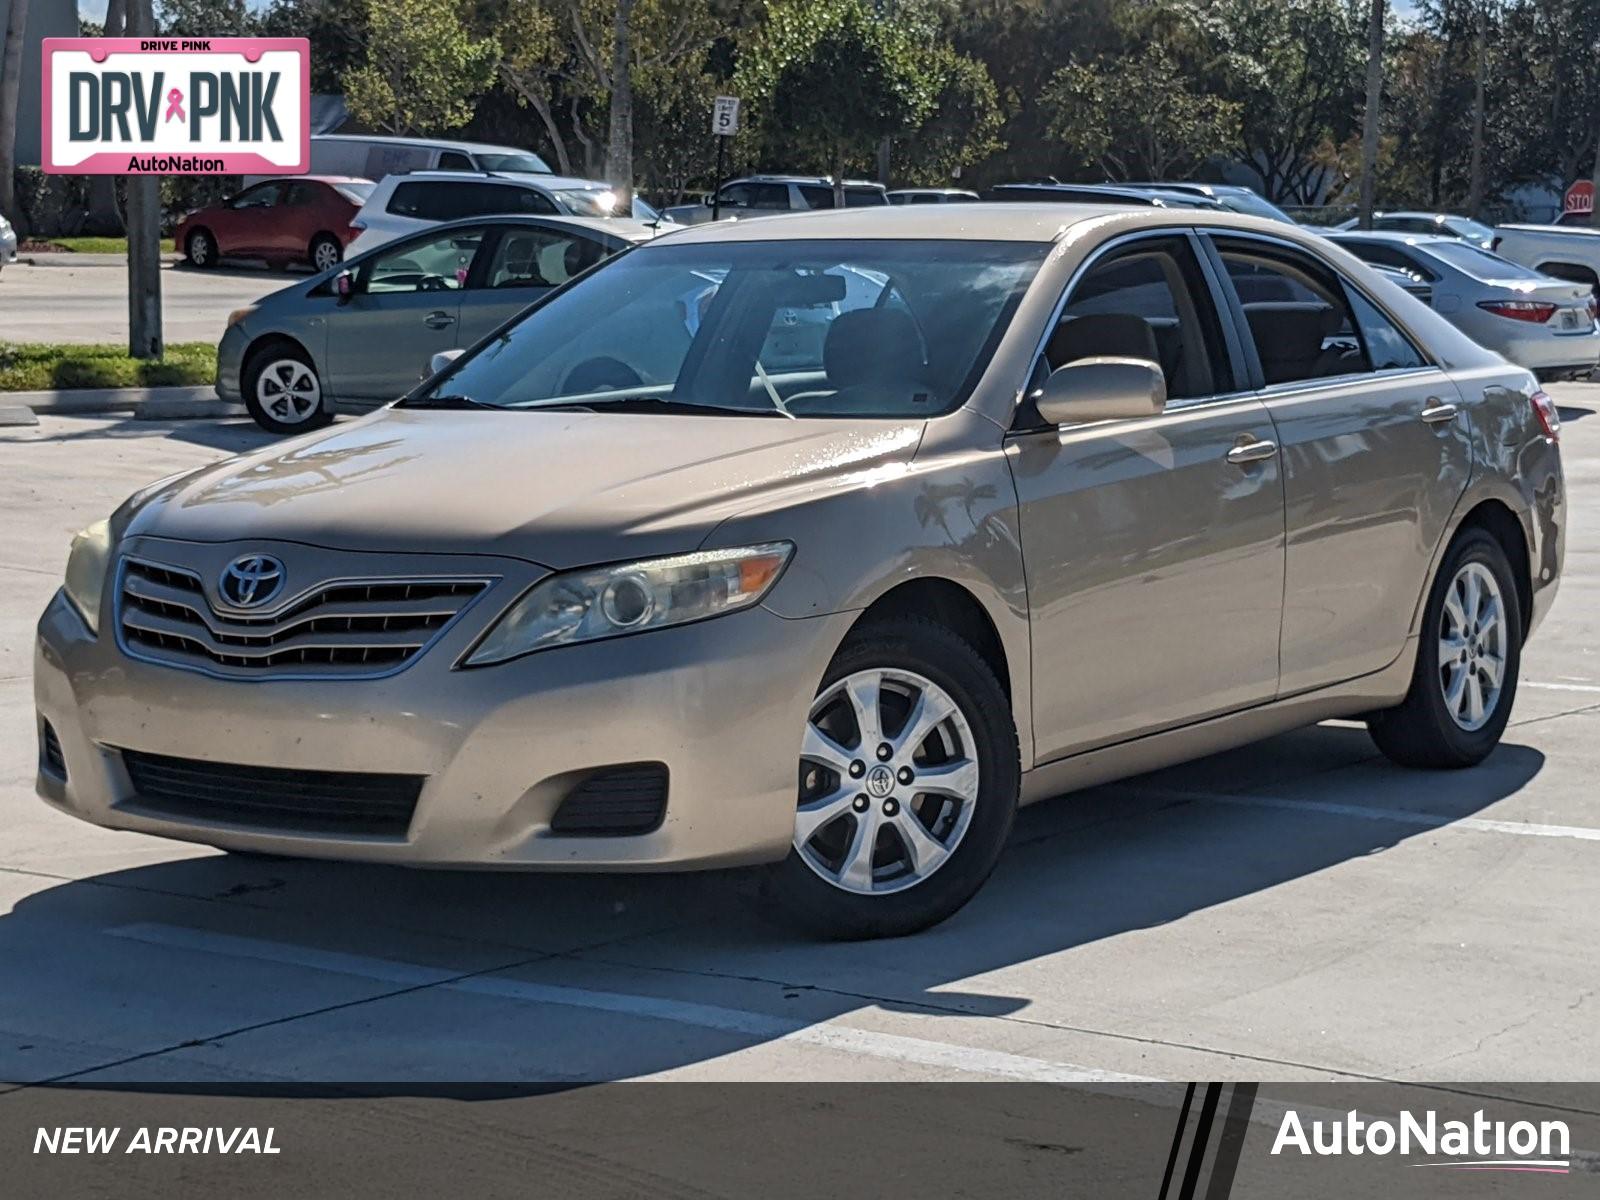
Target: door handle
[(1256, 450), (438, 319), (1437, 411)]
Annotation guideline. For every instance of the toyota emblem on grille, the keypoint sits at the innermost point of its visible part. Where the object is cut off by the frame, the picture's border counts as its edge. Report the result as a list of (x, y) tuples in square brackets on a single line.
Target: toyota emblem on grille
[(251, 581)]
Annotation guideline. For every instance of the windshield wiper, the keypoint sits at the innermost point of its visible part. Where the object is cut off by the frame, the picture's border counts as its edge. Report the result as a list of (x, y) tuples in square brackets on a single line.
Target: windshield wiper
[(456, 402), (646, 403)]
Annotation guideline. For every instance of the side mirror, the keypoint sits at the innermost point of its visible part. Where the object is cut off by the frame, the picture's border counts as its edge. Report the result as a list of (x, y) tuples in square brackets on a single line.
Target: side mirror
[(1102, 389), (442, 360)]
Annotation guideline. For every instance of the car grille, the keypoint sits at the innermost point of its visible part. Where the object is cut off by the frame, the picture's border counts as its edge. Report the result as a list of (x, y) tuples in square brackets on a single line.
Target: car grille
[(345, 628), (615, 802), (293, 801)]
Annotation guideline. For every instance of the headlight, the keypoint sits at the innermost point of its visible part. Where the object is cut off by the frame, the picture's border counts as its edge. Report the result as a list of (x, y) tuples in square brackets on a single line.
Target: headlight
[(238, 315), (603, 602), (86, 572)]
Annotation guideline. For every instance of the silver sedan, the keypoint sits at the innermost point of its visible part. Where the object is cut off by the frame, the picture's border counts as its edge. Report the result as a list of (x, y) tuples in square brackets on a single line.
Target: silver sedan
[(1534, 320)]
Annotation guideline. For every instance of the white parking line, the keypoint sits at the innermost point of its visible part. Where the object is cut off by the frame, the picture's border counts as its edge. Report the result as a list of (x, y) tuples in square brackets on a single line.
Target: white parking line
[(767, 1028), (1578, 833), (1561, 687)]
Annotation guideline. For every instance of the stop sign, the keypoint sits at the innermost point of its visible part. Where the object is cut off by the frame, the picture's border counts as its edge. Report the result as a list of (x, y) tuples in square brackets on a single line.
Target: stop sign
[(1579, 198)]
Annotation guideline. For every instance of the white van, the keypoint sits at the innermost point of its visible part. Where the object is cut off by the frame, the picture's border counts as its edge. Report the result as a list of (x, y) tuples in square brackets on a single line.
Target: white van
[(360, 156)]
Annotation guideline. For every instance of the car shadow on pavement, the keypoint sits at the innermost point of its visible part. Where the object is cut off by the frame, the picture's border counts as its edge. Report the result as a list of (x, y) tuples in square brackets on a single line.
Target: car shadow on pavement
[(1100, 865), (236, 435)]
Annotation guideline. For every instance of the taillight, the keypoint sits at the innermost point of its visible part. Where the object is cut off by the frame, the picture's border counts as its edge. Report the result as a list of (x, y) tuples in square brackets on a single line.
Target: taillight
[(1593, 306), (358, 225), (1536, 311), (1549, 416)]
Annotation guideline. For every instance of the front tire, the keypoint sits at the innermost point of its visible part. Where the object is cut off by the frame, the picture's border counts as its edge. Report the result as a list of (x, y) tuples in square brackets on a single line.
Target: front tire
[(908, 782), (1467, 664), (282, 390)]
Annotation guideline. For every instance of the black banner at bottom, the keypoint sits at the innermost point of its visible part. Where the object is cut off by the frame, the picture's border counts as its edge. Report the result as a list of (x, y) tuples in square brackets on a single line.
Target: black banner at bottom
[(700, 1140)]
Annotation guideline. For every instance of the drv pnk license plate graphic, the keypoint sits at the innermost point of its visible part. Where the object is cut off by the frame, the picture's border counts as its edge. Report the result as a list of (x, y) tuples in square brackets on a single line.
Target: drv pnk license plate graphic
[(177, 106)]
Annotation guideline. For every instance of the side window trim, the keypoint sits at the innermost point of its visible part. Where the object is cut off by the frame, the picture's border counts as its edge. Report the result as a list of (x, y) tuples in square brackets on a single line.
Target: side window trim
[(1236, 310)]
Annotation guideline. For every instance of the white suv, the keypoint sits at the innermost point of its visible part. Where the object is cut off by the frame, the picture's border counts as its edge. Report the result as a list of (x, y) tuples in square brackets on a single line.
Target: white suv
[(402, 204), (763, 195)]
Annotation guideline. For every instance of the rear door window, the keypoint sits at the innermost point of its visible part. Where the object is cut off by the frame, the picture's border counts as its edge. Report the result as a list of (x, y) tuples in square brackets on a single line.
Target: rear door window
[(540, 258), (1306, 321)]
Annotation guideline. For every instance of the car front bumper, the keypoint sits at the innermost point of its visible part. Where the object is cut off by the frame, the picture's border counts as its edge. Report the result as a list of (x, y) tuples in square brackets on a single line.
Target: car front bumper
[(230, 362), (722, 704)]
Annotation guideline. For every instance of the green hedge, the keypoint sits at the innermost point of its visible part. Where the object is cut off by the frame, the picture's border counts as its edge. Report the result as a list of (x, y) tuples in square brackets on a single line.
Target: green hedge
[(40, 366)]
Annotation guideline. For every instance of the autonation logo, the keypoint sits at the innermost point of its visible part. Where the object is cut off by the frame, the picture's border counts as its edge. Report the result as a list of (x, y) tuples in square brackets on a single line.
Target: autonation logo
[(1476, 1145)]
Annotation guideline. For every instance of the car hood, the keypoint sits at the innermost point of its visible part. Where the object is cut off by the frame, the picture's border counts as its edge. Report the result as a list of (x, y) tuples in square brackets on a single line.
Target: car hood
[(558, 489)]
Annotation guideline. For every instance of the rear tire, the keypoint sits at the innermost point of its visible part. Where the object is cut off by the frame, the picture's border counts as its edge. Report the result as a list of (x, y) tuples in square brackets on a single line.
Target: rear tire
[(200, 248), (325, 252), (283, 391), (1465, 680), (876, 855)]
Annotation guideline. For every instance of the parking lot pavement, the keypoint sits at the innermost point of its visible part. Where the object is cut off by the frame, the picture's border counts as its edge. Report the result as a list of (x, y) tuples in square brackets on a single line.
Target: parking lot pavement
[(86, 304), (1297, 909)]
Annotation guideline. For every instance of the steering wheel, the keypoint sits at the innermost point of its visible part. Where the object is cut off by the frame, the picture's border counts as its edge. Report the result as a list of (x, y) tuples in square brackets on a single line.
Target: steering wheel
[(600, 374)]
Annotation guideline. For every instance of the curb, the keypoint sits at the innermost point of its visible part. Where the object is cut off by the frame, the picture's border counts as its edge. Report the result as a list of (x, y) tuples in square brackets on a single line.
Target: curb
[(78, 258), (144, 403)]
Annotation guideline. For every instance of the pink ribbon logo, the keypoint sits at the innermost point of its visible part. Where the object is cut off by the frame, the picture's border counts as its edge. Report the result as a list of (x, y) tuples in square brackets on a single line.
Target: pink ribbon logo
[(175, 106)]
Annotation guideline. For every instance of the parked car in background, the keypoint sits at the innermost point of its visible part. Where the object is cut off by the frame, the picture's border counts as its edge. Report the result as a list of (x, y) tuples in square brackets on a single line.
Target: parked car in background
[(1097, 193), (365, 331), (402, 204), (301, 219), (765, 195), (1534, 320), (8, 241), (1567, 252), (932, 196), (1058, 505), (1231, 196), (1405, 281), (374, 157), (1447, 225)]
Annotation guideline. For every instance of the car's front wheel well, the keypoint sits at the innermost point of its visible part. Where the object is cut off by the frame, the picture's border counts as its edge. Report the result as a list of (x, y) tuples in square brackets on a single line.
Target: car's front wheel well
[(1500, 523), (953, 607), (270, 342)]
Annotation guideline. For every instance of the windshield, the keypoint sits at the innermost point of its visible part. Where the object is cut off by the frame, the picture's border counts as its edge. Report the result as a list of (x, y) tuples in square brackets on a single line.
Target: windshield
[(783, 328), (528, 163), (1480, 264), (356, 193), (1247, 202), (1468, 228)]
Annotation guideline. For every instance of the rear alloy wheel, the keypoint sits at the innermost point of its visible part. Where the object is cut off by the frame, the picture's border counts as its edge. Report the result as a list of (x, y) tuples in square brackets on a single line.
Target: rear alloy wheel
[(282, 391), (201, 249), (326, 253), (907, 785), (1467, 664)]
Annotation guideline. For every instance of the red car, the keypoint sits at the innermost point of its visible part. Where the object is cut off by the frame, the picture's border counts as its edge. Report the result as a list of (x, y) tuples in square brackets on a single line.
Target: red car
[(302, 219)]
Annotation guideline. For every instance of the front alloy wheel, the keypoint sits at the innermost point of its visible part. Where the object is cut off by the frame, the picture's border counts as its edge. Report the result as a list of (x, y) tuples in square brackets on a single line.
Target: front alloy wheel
[(283, 393), (908, 781), (887, 782)]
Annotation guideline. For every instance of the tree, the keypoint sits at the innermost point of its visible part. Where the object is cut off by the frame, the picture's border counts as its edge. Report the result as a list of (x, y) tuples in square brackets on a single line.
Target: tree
[(1138, 116), (1372, 112), (963, 126), (424, 69), (10, 96), (830, 81), (1294, 69)]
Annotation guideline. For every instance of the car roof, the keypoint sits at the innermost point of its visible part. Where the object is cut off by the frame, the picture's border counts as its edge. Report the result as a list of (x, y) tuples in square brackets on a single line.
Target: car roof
[(536, 179), (931, 191), (1393, 236), (390, 140), (622, 227), (331, 178), (993, 221), (822, 179), (1409, 215)]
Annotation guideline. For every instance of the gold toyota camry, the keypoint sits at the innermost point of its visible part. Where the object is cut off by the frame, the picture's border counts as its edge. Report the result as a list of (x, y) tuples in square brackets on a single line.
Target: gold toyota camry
[(823, 542)]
